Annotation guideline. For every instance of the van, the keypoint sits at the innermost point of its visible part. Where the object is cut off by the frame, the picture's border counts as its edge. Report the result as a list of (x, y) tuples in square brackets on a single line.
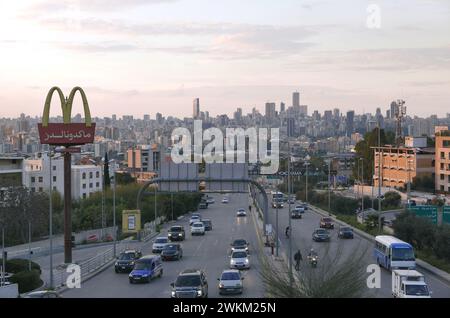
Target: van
[(146, 268)]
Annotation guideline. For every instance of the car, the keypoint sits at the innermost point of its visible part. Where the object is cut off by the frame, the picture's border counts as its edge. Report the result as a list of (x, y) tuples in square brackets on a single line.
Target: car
[(240, 245), (190, 283), (198, 228), (230, 282), (172, 251), (203, 205), (345, 232), (125, 261), (210, 200), (241, 212), (277, 204), (194, 218), (300, 208), (321, 235), (305, 206), (159, 243), (176, 233), (43, 294), (145, 269), (296, 214), (291, 200), (92, 238), (239, 260), (225, 200), (326, 223), (208, 224)]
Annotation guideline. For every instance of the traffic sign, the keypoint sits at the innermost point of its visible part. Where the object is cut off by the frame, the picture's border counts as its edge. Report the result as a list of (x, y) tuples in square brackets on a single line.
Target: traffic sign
[(426, 211), (446, 214)]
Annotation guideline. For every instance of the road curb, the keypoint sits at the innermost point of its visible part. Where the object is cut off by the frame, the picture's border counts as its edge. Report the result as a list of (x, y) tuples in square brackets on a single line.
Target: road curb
[(420, 263)]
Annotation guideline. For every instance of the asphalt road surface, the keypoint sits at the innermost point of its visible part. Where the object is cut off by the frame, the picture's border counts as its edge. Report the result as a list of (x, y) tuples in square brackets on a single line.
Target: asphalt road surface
[(302, 230), (209, 252)]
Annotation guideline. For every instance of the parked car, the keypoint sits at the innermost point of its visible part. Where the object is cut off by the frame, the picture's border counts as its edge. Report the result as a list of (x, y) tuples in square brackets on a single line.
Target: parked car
[(146, 268), (326, 223), (125, 261), (230, 282), (198, 228), (241, 212), (208, 224), (172, 251), (345, 232), (239, 245), (190, 283), (239, 260), (321, 235), (43, 294), (176, 233), (194, 218), (159, 243)]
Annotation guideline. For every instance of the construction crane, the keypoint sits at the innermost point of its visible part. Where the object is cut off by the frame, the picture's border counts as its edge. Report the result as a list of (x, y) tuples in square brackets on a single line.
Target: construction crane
[(400, 112)]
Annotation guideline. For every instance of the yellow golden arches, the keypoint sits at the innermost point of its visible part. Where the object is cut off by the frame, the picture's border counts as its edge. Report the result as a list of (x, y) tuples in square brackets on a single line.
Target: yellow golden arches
[(66, 106)]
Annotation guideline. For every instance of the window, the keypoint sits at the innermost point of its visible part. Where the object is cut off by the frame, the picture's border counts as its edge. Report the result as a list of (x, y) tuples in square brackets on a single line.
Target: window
[(442, 188), (91, 175), (442, 177), (41, 179), (40, 189), (84, 195), (54, 188), (84, 175), (54, 178), (442, 155), (97, 174), (90, 185), (97, 184), (84, 185), (33, 179), (442, 166), (33, 189), (448, 178), (54, 168)]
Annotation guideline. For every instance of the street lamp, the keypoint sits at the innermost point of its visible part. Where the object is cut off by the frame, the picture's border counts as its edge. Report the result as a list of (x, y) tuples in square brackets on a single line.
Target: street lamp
[(307, 158), (114, 204), (329, 185), (362, 183), (291, 279), (409, 181), (103, 193)]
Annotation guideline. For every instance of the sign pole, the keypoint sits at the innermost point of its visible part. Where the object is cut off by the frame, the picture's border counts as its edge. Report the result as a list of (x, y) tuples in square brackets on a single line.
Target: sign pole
[(67, 209)]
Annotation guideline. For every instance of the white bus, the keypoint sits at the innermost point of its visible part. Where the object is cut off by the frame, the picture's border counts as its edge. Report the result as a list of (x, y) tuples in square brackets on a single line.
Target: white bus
[(392, 253)]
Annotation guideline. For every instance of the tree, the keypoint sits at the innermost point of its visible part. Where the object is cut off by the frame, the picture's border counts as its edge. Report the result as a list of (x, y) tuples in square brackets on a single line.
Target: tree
[(391, 200), (106, 179)]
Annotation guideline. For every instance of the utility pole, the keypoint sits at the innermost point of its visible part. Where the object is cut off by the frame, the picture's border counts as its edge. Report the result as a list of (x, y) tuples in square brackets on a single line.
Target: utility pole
[(103, 198), (276, 224), (114, 209), (329, 186), (307, 164), (380, 164), (291, 278), (362, 184), (50, 226)]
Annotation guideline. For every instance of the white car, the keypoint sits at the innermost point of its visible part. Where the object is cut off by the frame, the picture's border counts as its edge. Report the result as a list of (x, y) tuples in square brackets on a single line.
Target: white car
[(299, 208), (225, 200), (194, 218), (239, 260), (230, 282), (159, 243), (210, 200), (241, 212), (198, 228)]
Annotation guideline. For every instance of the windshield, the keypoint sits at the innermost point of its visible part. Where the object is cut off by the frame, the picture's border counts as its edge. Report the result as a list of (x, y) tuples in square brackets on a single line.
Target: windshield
[(403, 254), (230, 276), (126, 256), (187, 281), (206, 222), (239, 255), (161, 240), (195, 217), (346, 229), (326, 220), (417, 290), (321, 232), (170, 248), (239, 242), (198, 225), (175, 229), (141, 266)]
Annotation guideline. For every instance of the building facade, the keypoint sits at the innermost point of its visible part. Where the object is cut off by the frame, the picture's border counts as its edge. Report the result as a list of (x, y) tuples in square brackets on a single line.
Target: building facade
[(442, 167)]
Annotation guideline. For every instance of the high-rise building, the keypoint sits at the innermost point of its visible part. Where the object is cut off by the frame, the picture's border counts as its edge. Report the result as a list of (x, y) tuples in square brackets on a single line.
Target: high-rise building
[(290, 127), (196, 108), (336, 113), (282, 107), (296, 99), (394, 109), (238, 114), (328, 115), (442, 162), (303, 110), (316, 115), (349, 122), (270, 110), (146, 117), (159, 118)]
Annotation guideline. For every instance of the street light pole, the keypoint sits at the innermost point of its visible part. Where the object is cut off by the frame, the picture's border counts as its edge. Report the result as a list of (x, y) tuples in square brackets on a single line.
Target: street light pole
[(276, 224), (362, 184), (291, 279), (103, 199), (329, 186), (306, 193), (3, 255), (50, 227), (114, 209), (380, 158)]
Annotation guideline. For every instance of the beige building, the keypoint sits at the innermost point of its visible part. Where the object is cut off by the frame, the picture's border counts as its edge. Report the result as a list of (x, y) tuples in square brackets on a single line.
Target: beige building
[(400, 165), (442, 166)]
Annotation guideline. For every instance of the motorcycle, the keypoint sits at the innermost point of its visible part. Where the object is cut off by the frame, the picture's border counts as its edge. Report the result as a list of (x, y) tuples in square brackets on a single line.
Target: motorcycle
[(313, 260)]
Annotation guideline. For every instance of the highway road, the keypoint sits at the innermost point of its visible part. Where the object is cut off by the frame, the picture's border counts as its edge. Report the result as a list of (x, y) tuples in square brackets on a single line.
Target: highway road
[(209, 252), (302, 230)]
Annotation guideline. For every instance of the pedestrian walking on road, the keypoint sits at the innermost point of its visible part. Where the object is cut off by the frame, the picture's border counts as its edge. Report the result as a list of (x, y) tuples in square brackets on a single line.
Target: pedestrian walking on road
[(298, 257)]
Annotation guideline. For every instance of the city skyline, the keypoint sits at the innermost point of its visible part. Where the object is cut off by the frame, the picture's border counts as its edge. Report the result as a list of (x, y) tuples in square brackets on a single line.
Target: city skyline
[(153, 54)]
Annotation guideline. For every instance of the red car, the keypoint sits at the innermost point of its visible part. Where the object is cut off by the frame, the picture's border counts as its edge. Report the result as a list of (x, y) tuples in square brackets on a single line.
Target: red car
[(326, 223)]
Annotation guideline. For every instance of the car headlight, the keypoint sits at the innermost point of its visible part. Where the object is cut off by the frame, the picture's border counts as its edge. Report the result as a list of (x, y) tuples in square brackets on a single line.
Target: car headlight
[(221, 285), (116, 263), (246, 261), (199, 292), (132, 263), (173, 293), (170, 234), (233, 261), (179, 234)]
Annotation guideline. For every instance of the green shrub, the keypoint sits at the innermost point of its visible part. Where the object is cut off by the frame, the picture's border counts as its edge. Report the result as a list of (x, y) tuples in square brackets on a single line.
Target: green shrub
[(27, 280), (17, 265)]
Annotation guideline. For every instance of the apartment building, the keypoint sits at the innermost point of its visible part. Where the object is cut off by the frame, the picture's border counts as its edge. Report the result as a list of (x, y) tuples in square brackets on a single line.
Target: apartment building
[(442, 167)]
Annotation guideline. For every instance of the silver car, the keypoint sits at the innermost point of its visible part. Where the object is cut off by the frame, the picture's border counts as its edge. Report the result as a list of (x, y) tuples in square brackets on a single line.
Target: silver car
[(239, 260), (230, 282)]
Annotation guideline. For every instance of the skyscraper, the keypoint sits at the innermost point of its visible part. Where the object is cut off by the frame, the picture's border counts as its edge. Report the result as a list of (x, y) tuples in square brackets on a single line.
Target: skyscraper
[(282, 107), (290, 127), (349, 122), (303, 110), (196, 108), (328, 115), (296, 99), (270, 110), (394, 109)]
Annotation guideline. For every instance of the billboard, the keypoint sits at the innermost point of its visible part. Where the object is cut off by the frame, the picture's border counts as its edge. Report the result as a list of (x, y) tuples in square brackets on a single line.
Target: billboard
[(131, 221), (426, 211), (178, 171), (226, 171), (446, 215)]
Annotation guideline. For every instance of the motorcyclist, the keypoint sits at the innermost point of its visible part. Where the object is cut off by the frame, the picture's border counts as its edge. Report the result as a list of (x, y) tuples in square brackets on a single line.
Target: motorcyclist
[(312, 253)]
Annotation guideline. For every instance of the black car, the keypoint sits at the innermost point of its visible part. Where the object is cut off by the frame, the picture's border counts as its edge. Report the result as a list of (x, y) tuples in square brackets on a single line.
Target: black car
[(172, 252), (176, 233), (208, 224), (321, 235), (203, 205), (345, 232), (191, 283), (125, 261), (296, 214), (239, 245)]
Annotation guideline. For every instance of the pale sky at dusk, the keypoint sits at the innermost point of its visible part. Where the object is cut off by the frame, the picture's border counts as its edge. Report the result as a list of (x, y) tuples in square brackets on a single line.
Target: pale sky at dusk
[(145, 56)]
